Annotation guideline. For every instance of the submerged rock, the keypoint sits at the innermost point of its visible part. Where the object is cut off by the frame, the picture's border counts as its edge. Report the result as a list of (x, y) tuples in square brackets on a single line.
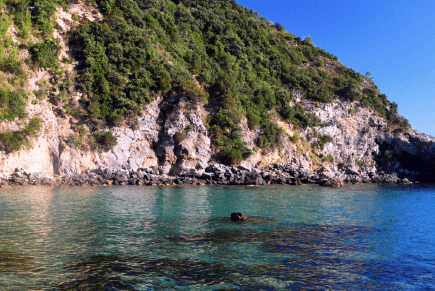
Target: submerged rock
[(238, 216)]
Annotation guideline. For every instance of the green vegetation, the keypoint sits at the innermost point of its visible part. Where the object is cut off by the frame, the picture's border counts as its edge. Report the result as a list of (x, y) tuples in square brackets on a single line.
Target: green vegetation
[(104, 140), (231, 156), (4, 24), (295, 137), (12, 104), (323, 139), (329, 159), (12, 140), (45, 54), (210, 52), (240, 61), (76, 139)]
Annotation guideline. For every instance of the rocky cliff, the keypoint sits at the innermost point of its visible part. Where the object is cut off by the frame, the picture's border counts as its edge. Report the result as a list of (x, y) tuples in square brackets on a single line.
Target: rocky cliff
[(173, 141), (297, 116)]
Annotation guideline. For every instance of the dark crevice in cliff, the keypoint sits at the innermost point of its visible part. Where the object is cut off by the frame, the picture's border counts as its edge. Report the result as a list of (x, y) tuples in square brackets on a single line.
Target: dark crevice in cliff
[(394, 159), (425, 169), (414, 163), (166, 108)]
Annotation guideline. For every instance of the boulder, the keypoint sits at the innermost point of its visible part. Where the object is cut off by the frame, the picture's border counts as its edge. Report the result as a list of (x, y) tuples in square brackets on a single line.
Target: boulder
[(238, 216), (245, 167), (406, 181), (333, 182), (326, 173), (121, 178)]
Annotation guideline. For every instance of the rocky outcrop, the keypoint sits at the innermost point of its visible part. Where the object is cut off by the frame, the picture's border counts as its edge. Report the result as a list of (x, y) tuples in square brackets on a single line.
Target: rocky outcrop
[(238, 216), (171, 146), (169, 139), (354, 130), (183, 141), (168, 143), (410, 154), (216, 174)]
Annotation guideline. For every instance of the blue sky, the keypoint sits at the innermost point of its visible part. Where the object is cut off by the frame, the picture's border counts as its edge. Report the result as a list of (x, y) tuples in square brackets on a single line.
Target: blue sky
[(394, 40)]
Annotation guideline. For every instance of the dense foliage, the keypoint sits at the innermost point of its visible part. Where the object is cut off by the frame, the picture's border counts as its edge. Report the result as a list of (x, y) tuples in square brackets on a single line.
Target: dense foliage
[(214, 52), (12, 140), (247, 65)]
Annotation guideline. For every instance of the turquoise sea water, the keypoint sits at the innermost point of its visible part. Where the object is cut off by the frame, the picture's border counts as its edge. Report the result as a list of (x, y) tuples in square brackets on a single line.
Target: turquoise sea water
[(360, 237)]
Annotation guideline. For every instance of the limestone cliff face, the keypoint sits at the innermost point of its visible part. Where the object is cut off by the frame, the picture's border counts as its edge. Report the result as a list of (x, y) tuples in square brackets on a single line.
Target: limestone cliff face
[(168, 138), (354, 130), (172, 139)]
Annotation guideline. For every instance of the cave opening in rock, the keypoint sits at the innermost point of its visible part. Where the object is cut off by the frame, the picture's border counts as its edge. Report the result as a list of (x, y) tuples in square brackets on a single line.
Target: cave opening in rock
[(417, 164)]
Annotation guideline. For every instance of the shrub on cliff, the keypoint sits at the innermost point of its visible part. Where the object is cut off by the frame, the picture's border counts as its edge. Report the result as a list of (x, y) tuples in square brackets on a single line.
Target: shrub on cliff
[(323, 139), (12, 104), (230, 156), (105, 140), (12, 140), (45, 54)]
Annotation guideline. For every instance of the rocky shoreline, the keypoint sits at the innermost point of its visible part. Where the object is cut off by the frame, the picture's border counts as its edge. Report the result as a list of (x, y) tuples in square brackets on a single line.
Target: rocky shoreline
[(215, 174)]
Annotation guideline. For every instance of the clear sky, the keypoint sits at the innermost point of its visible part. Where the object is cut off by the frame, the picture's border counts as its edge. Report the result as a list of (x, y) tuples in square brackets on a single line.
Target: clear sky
[(394, 40)]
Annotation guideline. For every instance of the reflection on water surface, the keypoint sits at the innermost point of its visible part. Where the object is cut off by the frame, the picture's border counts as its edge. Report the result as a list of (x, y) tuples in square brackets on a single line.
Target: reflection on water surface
[(133, 238)]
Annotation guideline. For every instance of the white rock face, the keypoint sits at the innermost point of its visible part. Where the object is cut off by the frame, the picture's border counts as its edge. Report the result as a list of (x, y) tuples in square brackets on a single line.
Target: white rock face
[(154, 146), (173, 139), (184, 143), (354, 130)]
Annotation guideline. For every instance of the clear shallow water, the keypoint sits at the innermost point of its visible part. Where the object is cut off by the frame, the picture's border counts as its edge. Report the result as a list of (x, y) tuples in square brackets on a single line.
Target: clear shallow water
[(369, 237)]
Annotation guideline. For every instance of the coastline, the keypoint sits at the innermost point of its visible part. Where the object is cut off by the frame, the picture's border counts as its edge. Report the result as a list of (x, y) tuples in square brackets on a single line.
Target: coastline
[(215, 174)]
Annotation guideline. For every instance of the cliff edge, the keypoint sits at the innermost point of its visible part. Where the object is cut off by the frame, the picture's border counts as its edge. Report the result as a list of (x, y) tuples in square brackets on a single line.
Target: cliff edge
[(209, 91)]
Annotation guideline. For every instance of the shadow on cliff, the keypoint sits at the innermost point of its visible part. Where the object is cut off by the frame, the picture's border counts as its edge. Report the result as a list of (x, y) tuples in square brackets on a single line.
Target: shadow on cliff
[(409, 156)]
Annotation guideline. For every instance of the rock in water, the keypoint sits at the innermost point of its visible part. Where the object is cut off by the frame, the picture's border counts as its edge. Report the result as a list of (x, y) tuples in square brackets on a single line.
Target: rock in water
[(238, 216)]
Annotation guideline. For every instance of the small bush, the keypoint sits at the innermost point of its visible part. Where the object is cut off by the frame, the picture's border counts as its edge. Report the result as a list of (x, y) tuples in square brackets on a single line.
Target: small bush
[(253, 117), (8, 41), (179, 137), (230, 156), (329, 158), (279, 26), (190, 89), (74, 140), (4, 24), (11, 141), (105, 140), (23, 19), (270, 134), (45, 54), (12, 66), (33, 126), (323, 139), (12, 104), (294, 137)]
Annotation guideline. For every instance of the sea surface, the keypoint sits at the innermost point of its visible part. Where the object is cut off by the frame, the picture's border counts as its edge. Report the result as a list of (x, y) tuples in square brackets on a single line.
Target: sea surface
[(360, 237)]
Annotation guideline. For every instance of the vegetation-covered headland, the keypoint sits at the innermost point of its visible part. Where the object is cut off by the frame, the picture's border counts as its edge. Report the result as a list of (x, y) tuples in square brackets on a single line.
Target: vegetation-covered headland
[(175, 85)]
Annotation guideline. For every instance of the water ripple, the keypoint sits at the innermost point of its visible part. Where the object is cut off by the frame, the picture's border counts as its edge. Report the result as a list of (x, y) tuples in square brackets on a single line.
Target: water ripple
[(132, 238)]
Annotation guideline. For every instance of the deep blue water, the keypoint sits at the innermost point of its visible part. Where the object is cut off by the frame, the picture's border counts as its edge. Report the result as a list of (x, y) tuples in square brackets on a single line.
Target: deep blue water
[(360, 237)]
